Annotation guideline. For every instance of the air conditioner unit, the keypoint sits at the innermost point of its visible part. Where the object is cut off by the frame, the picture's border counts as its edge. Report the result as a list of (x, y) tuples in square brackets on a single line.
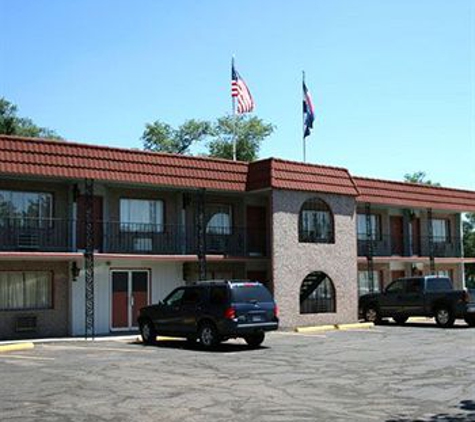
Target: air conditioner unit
[(28, 239), (143, 244)]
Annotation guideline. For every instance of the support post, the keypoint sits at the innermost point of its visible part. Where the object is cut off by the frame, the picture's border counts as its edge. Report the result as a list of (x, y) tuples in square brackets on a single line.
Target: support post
[(369, 246), (430, 231), (89, 260), (201, 232)]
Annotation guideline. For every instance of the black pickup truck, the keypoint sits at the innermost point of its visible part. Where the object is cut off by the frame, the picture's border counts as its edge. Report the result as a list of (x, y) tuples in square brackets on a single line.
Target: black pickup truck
[(428, 296)]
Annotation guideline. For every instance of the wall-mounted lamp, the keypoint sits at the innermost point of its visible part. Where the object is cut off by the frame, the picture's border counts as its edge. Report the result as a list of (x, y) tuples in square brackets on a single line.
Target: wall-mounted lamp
[(75, 271)]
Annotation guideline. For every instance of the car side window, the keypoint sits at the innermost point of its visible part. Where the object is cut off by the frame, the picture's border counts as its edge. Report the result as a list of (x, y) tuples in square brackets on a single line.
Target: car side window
[(175, 298), (192, 296), (396, 287), (218, 295), (414, 286)]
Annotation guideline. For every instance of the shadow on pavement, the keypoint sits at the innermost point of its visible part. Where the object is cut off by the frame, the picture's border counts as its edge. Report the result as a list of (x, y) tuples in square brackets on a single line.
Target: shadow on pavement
[(185, 345), (428, 324), (466, 413)]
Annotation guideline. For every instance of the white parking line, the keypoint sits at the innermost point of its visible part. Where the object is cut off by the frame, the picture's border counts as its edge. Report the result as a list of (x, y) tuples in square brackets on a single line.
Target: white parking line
[(94, 348)]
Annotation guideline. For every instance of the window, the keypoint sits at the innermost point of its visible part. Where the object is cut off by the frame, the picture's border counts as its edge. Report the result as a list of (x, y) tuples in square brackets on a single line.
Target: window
[(414, 285), (141, 215), (174, 298), (441, 230), (365, 285), (396, 287), (317, 294), (375, 223), (438, 284), (218, 295), (30, 208), (218, 219), (315, 222), (25, 290), (192, 296)]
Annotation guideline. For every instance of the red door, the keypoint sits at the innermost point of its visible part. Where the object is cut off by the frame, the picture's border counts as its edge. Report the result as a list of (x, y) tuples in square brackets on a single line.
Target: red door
[(397, 244), (395, 274), (416, 236), (129, 294), (256, 230), (81, 222)]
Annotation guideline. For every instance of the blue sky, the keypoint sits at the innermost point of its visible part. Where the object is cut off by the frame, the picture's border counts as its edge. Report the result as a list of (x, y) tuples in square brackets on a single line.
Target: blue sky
[(393, 81)]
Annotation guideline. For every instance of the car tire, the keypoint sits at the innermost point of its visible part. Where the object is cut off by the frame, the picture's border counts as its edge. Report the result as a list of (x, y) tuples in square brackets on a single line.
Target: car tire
[(400, 319), (470, 320), (255, 340), (371, 314), (444, 317), (148, 332), (208, 335)]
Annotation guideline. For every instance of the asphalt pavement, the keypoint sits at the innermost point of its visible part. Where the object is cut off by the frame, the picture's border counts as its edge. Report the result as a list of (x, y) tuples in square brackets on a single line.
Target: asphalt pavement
[(389, 373)]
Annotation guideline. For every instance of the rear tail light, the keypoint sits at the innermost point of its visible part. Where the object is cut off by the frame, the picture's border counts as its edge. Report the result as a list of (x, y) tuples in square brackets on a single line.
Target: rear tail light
[(276, 311), (230, 313)]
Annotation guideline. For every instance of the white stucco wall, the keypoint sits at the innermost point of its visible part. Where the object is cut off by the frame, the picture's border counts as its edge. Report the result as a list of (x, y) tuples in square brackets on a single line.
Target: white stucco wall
[(165, 276)]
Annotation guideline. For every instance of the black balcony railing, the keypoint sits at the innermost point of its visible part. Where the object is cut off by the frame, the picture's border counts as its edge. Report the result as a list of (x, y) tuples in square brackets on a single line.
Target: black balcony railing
[(63, 235), (36, 234), (386, 245)]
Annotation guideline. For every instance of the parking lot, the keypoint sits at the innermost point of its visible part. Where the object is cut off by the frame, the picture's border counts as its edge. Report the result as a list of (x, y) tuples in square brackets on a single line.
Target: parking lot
[(389, 373)]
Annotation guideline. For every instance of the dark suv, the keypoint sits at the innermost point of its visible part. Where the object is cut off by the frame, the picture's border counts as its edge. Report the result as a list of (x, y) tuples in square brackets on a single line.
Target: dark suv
[(211, 312)]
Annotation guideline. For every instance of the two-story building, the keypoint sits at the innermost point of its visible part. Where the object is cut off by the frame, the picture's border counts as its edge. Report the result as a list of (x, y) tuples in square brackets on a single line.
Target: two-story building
[(90, 234)]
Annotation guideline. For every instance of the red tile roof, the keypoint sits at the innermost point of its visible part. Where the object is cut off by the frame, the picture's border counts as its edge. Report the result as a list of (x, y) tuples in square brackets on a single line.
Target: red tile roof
[(384, 192), (49, 158), (69, 160), (291, 175)]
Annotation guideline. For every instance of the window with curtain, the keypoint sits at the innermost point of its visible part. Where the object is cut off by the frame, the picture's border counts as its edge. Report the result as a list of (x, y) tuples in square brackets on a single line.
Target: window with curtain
[(315, 222), (365, 285), (375, 223), (28, 208), (441, 230), (141, 215), (26, 290), (218, 219)]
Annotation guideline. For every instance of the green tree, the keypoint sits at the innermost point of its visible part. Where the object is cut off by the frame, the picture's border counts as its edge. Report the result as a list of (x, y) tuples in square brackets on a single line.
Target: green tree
[(249, 132), (12, 124), (420, 178), (161, 137)]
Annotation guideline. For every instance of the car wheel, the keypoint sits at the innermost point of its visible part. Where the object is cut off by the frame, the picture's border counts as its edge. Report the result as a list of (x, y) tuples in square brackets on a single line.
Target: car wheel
[(470, 320), (444, 317), (371, 314), (400, 319), (255, 340), (148, 332), (208, 335)]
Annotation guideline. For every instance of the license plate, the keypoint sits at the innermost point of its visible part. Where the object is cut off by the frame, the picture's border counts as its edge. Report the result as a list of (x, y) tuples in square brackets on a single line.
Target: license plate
[(256, 318)]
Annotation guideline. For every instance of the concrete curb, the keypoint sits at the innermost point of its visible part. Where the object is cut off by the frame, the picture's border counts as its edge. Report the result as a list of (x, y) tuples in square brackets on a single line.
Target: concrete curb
[(343, 327), (16, 347)]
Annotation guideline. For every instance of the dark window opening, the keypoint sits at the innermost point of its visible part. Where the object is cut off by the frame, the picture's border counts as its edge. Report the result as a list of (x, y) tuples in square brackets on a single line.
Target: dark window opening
[(317, 294)]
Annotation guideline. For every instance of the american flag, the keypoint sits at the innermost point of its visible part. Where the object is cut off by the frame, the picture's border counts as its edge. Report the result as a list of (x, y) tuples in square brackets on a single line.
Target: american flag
[(240, 91)]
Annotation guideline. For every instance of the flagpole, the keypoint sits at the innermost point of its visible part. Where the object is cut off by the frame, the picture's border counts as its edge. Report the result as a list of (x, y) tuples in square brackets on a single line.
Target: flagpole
[(303, 123), (234, 117)]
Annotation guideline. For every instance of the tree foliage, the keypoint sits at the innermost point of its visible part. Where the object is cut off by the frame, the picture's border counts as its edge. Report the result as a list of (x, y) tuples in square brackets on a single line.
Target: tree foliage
[(12, 124), (249, 132), (419, 177)]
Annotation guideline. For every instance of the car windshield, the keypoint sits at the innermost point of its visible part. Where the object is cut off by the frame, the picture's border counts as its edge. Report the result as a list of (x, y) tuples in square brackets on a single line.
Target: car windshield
[(250, 292)]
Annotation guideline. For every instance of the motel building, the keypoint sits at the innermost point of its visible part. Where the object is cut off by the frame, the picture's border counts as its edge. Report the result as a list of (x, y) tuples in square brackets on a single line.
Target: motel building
[(90, 234)]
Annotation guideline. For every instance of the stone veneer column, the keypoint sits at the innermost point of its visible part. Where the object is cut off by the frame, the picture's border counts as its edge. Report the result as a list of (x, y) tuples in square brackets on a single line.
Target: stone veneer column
[(293, 261)]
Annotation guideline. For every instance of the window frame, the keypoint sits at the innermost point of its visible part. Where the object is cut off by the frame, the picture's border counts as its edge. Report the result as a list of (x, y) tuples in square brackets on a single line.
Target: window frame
[(377, 282), (304, 236), (445, 238), (227, 230), (153, 227), (363, 235), (21, 218), (51, 292)]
